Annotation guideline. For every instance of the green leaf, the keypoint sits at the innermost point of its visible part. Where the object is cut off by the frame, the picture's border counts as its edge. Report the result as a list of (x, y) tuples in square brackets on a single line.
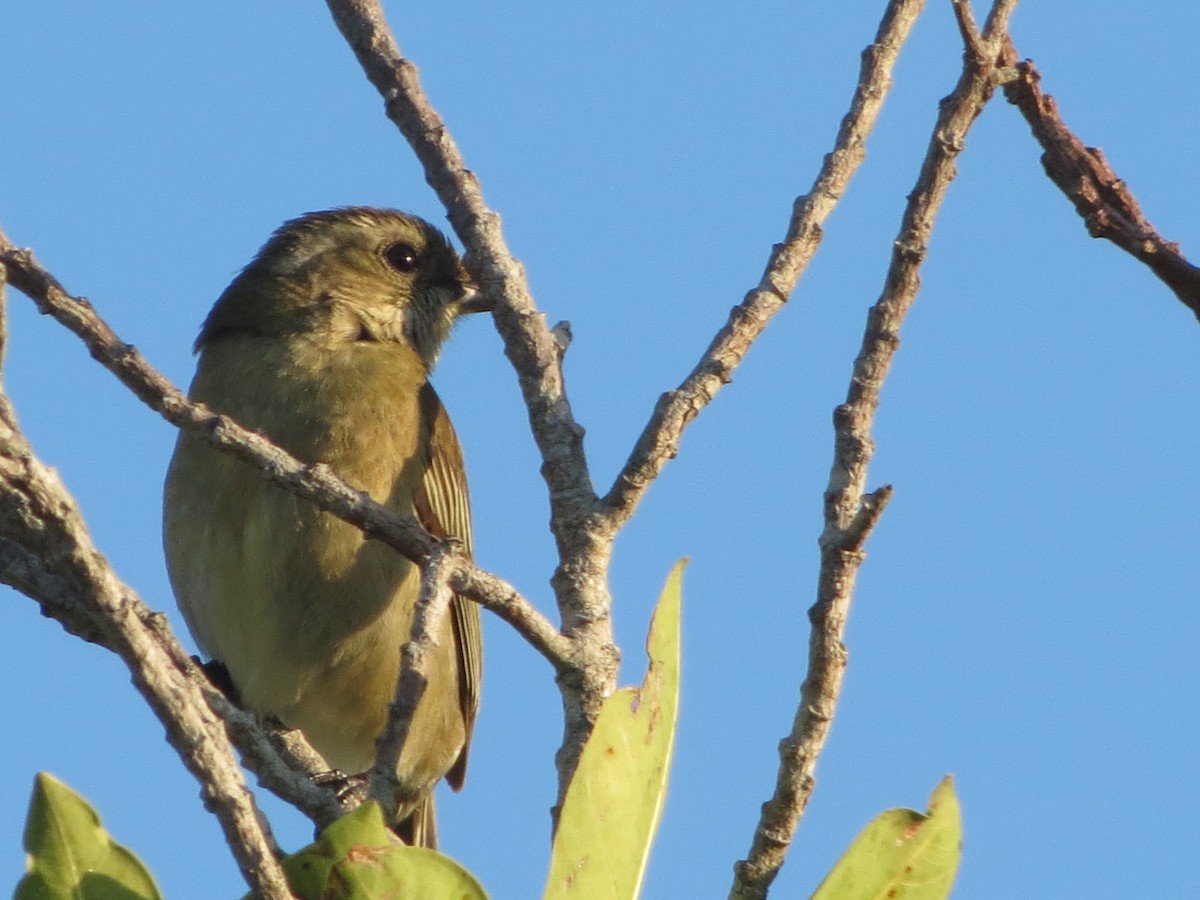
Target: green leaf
[(614, 802), (358, 858), (70, 855), (902, 854)]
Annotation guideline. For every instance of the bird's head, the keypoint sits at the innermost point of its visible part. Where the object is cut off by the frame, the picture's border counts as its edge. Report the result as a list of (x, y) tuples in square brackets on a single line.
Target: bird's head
[(353, 274)]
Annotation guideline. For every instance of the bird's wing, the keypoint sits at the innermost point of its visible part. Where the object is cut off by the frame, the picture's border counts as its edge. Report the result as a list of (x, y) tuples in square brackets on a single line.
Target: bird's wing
[(444, 508)]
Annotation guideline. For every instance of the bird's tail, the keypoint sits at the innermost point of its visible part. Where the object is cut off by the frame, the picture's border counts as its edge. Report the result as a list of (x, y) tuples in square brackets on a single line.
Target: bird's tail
[(420, 828)]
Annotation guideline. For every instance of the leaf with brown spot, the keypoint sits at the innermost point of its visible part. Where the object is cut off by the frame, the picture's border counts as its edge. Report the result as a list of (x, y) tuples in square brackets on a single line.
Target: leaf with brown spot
[(614, 802), (902, 854), (357, 858)]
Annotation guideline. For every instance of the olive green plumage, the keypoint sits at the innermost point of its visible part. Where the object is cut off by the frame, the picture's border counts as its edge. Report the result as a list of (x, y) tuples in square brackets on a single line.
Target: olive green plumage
[(324, 343)]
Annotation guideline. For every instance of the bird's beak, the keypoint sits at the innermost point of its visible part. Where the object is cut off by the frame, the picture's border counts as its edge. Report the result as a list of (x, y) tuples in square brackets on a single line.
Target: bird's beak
[(472, 301)]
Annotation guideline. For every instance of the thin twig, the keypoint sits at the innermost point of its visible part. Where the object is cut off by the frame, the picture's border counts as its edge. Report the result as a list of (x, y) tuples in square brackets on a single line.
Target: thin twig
[(315, 483), (433, 601), (659, 441), (968, 31), (281, 760), (496, 594), (851, 513), (1104, 202), (583, 539)]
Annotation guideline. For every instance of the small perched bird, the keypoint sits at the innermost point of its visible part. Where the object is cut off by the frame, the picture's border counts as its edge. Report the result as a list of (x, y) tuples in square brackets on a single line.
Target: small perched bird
[(324, 343)]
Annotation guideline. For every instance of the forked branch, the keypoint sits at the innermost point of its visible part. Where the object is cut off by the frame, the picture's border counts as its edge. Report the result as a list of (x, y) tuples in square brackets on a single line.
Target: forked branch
[(850, 512)]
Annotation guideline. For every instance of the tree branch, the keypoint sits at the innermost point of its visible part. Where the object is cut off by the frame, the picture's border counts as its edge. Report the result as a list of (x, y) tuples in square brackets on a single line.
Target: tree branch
[(282, 762), (433, 601), (850, 513), (315, 483), (659, 441), (531, 347), (583, 539), (47, 549), (1108, 208)]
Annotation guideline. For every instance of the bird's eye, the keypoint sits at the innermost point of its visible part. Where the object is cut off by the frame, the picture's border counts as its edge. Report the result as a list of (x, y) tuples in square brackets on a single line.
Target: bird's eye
[(401, 257)]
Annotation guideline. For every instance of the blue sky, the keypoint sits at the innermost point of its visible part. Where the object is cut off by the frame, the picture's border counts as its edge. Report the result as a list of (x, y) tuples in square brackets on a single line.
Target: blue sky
[(1027, 614)]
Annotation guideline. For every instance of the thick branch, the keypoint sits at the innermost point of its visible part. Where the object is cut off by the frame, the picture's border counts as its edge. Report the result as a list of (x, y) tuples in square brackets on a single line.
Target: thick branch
[(49, 553), (315, 483), (850, 513), (22, 570), (659, 441), (1106, 205), (280, 765)]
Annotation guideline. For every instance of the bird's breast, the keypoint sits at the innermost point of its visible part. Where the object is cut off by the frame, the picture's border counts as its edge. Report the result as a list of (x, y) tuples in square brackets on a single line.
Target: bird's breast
[(296, 603)]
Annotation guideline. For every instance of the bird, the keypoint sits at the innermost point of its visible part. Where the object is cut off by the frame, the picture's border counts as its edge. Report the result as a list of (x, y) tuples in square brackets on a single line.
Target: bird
[(324, 343)]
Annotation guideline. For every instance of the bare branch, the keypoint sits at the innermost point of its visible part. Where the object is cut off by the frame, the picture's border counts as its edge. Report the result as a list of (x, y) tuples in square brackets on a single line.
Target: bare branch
[(1104, 202), (496, 594), (315, 483), (855, 535), (22, 570), (433, 601), (969, 31), (530, 345), (995, 28), (274, 757), (583, 538), (47, 548), (659, 441), (850, 513), (281, 760)]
